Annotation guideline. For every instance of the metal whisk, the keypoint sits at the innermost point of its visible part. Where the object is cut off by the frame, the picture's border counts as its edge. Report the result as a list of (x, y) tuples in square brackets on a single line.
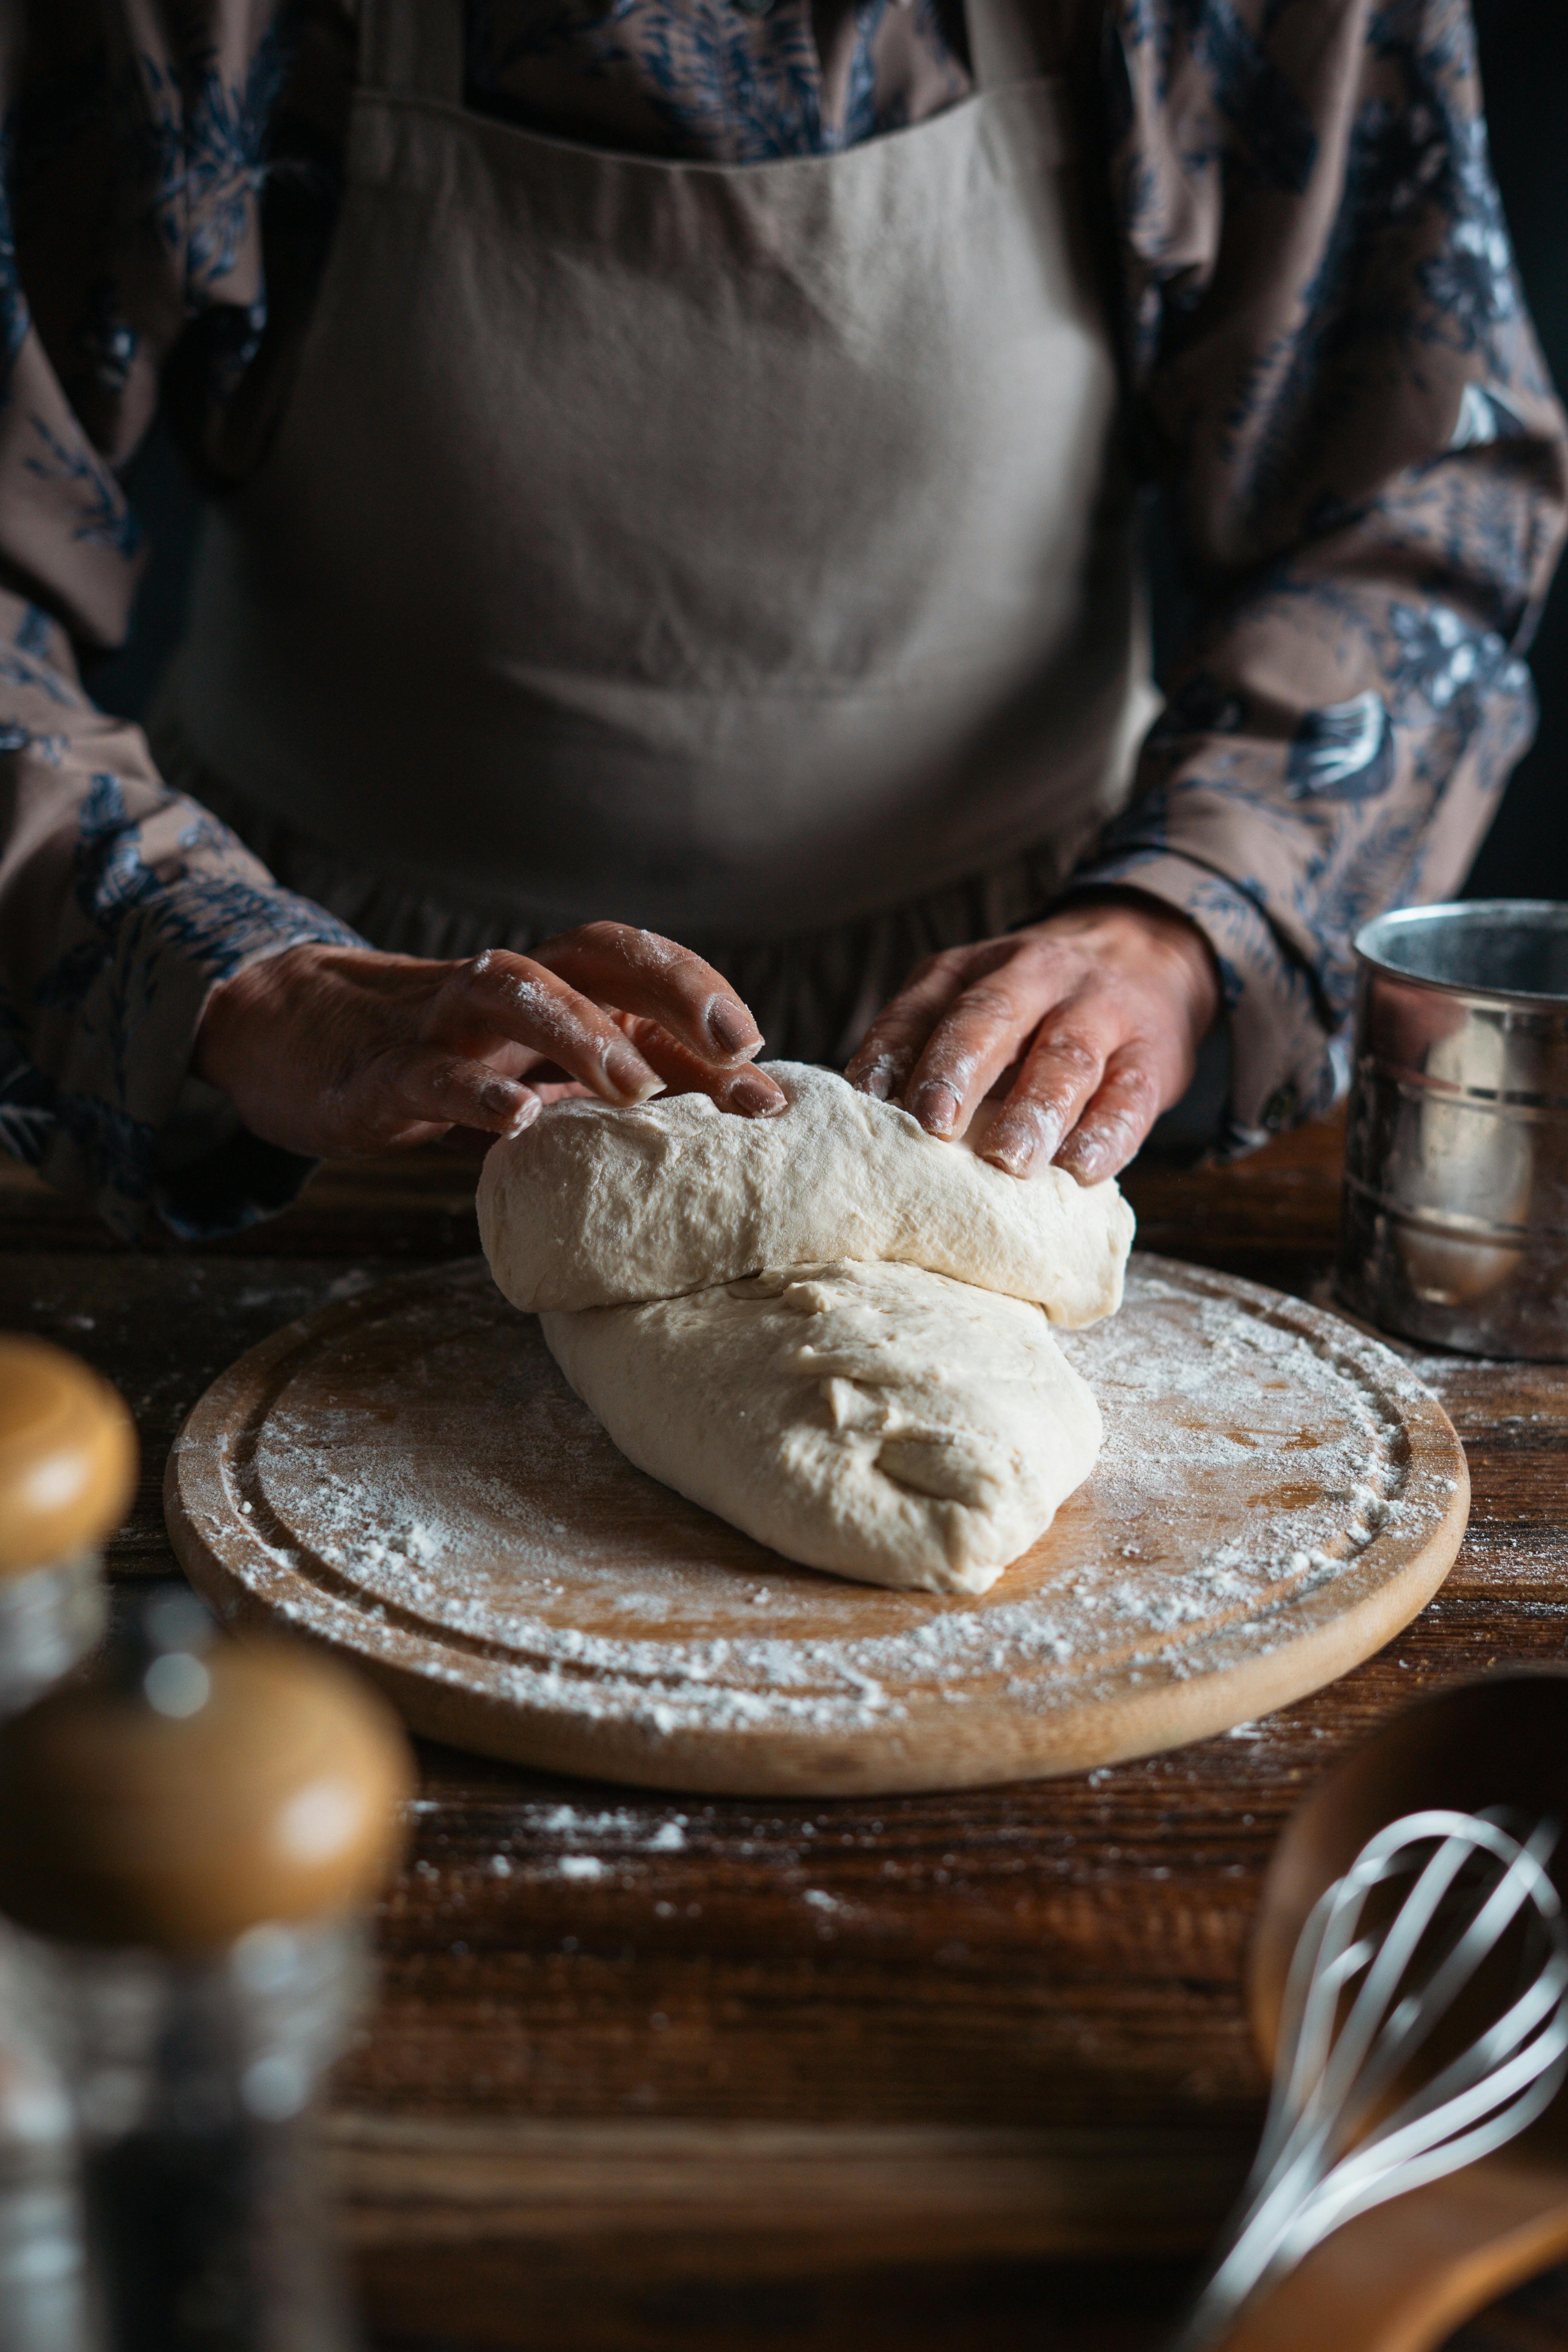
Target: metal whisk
[(1359, 2007)]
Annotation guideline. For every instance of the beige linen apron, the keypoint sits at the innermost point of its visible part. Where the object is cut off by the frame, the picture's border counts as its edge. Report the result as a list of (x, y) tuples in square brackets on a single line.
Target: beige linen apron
[(743, 551)]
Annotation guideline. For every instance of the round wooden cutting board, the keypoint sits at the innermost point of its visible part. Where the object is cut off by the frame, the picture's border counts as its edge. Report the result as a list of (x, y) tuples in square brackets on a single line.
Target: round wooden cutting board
[(408, 1477)]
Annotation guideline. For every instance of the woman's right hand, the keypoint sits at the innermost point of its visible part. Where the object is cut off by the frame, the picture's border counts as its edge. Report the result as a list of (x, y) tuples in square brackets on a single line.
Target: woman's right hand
[(330, 1051)]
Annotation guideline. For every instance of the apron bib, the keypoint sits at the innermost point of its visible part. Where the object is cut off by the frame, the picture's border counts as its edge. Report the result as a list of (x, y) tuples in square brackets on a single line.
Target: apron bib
[(737, 551)]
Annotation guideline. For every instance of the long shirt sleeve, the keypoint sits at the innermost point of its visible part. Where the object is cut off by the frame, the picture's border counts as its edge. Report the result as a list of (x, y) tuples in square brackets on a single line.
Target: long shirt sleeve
[(1338, 384), (1329, 367), (121, 903)]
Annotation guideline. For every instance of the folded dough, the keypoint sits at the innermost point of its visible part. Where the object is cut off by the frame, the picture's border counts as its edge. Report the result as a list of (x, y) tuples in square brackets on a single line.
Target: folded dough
[(879, 1419), (594, 1206)]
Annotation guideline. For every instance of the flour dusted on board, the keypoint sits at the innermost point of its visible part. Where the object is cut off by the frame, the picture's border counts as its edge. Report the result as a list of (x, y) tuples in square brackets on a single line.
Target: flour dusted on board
[(1251, 1467)]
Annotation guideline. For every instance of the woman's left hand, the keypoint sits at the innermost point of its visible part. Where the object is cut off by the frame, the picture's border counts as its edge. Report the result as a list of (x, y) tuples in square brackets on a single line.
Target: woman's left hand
[(1088, 1024)]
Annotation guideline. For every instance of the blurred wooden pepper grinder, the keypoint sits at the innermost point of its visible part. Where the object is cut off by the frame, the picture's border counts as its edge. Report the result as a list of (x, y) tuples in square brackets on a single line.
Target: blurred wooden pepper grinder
[(67, 1471), (190, 1841)]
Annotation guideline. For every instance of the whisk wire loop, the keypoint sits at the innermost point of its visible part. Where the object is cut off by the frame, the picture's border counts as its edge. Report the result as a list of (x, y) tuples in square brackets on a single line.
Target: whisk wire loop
[(1351, 2023)]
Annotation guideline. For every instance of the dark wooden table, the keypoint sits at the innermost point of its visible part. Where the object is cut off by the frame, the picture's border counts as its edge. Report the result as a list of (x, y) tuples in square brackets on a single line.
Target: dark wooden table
[(928, 2071)]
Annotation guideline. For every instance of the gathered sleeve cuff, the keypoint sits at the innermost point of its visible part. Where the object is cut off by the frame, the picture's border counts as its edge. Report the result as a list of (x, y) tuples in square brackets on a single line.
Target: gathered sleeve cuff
[(1364, 469), (1286, 1063)]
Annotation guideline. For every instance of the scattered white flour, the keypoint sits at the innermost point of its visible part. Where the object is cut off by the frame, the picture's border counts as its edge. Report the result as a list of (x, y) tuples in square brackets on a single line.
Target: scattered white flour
[(1252, 1458)]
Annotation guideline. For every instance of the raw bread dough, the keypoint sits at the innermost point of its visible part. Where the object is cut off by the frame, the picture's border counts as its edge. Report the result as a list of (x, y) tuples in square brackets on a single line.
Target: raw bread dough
[(879, 1419), (593, 1206), (829, 1327)]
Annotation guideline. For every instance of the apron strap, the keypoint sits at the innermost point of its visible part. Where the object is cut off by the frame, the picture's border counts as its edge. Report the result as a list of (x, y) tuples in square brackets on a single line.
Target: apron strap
[(412, 49)]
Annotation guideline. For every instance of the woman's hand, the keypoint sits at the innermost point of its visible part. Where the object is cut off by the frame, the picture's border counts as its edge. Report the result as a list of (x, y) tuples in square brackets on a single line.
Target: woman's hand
[(330, 1051), (1088, 1024)]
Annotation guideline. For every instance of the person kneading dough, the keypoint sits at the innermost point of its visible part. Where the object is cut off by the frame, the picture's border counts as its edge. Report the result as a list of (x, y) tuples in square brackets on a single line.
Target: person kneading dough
[(671, 589), (830, 1328)]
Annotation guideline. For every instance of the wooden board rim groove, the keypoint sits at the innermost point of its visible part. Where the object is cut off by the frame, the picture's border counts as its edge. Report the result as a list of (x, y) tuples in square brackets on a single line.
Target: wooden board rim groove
[(778, 1760)]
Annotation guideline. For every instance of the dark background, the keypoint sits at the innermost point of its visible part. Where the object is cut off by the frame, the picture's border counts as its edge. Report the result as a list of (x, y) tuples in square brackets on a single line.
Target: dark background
[(1524, 57)]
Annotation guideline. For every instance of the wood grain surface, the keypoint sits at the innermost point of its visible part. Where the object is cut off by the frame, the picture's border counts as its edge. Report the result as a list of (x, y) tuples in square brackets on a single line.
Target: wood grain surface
[(724, 2074), (406, 1477)]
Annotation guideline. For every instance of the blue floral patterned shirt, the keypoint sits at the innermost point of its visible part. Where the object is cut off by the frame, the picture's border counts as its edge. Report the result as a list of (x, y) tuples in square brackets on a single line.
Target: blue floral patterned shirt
[(1329, 369)]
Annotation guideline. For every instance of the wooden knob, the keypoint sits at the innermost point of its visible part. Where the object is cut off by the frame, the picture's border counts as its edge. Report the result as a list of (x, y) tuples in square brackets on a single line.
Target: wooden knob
[(197, 1791), (67, 1455)]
